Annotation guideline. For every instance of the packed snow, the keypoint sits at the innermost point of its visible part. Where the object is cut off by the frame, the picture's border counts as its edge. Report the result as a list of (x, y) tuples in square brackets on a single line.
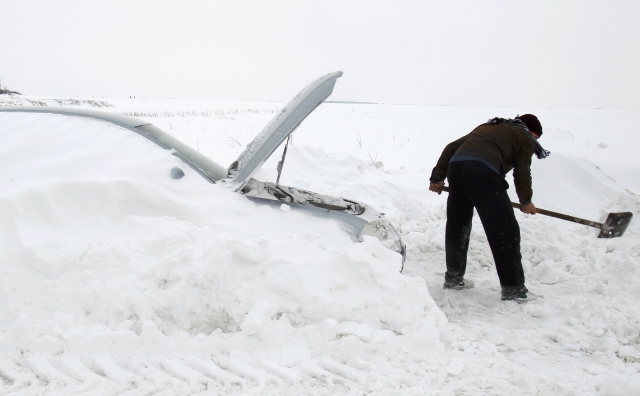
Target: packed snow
[(116, 278)]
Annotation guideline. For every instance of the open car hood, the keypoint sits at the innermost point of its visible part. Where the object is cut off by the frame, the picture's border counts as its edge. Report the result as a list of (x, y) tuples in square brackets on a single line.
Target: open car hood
[(279, 128)]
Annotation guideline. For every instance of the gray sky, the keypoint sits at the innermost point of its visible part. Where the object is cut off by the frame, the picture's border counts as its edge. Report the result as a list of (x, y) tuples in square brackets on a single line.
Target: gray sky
[(560, 54)]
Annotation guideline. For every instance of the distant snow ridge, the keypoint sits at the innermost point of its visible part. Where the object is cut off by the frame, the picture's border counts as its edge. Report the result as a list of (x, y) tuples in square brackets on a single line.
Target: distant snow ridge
[(26, 101), (117, 276), (222, 113)]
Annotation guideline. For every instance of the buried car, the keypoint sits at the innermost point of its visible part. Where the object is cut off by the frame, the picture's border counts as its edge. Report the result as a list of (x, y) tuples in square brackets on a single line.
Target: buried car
[(356, 218)]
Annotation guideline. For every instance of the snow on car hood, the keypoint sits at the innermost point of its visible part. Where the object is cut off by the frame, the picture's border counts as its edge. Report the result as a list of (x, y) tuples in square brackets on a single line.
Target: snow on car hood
[(280, 127)]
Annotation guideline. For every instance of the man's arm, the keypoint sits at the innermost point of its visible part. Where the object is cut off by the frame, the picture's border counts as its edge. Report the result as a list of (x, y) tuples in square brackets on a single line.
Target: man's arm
[(522, 177)]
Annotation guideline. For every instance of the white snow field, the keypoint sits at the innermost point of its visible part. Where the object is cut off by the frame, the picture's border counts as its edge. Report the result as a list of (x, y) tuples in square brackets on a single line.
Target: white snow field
[(116, 279)]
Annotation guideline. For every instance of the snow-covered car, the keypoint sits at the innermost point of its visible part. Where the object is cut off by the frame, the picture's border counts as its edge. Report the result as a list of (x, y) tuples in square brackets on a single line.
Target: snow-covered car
[(357, 218)]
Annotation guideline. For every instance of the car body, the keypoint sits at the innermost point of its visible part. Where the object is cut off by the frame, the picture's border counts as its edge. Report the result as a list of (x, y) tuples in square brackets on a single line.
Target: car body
[(358, 219)]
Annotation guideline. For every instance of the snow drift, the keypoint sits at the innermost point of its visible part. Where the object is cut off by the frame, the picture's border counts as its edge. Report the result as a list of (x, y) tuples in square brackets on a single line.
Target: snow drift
[(105, 253)]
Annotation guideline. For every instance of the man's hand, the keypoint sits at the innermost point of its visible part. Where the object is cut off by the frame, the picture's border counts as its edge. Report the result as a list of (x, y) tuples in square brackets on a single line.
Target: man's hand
[(529, 208), (436, 187)]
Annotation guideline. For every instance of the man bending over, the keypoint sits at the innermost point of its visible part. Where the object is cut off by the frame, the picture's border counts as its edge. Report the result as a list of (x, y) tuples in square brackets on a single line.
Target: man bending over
[(476, 165)]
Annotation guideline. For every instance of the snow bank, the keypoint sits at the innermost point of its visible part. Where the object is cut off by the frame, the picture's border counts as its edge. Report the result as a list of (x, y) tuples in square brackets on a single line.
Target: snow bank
[(104, 254)]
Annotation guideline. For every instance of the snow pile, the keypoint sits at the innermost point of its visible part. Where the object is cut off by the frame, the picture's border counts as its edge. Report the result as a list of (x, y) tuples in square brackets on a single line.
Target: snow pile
[(104, 253)]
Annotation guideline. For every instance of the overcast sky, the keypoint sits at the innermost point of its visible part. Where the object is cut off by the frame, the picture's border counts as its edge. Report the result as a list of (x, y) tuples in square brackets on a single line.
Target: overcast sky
[(559, 54)]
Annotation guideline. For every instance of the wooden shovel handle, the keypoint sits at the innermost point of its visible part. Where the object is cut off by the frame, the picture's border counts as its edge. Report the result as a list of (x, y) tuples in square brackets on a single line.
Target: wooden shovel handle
[(557, 215)]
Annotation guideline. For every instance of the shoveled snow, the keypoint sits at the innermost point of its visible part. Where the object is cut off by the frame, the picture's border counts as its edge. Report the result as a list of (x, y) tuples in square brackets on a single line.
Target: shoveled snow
[(116, 278)]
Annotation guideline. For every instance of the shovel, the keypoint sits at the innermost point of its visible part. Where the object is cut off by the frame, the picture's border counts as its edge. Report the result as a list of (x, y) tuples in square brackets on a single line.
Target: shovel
[(615, 225)]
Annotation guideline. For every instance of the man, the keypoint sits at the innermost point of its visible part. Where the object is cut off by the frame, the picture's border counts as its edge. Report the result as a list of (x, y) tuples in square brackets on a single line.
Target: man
[(476, 165)]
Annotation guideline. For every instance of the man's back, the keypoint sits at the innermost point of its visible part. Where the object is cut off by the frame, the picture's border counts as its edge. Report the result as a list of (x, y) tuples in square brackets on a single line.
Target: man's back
[(499, 144)]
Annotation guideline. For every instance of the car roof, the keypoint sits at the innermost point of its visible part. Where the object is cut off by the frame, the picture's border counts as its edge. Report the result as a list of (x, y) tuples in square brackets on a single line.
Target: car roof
[(199, 162)]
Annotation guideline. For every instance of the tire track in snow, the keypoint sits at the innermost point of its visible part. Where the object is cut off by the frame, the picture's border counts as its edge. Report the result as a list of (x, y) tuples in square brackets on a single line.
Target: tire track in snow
[(105, 374)]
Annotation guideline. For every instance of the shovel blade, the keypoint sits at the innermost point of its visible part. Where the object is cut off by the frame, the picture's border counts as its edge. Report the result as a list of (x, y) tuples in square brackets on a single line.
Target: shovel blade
[(615, 225)]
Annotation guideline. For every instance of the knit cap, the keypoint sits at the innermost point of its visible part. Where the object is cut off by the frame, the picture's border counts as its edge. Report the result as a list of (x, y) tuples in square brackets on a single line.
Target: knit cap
[(532, 123)]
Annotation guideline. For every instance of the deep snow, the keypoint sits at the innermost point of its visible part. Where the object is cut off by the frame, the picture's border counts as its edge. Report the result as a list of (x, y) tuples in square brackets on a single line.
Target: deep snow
[(116, 278)]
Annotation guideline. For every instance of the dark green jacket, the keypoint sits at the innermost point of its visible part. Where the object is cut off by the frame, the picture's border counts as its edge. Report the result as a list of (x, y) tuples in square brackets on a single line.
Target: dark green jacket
[(506, 146)]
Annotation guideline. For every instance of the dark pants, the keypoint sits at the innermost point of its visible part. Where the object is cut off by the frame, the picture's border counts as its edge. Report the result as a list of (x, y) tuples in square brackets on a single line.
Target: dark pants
[(473, 184)]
